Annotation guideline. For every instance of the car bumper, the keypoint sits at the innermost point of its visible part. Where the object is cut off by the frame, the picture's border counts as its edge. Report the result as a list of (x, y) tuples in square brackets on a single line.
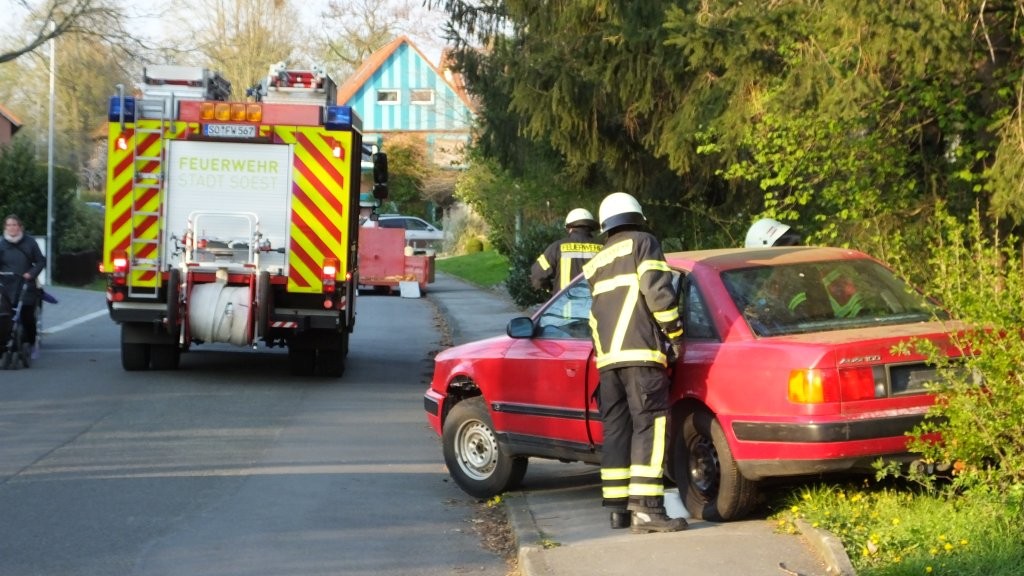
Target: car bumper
[(433, 403), (771, 449)]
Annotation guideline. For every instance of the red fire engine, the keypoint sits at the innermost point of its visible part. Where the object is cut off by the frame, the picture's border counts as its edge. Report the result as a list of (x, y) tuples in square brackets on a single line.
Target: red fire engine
[(233, 222)]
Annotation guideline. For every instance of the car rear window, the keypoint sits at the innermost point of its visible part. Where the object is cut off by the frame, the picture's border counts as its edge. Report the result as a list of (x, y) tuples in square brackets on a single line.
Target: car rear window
[(824, 296)]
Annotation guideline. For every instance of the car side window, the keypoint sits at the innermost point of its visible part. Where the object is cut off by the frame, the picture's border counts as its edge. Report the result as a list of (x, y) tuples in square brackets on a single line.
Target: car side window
[(697, 319), (416, 224), (568, 315), (391, 223)]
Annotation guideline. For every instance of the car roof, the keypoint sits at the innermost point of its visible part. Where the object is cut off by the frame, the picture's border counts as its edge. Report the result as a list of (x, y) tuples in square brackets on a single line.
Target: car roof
[(733, 258)]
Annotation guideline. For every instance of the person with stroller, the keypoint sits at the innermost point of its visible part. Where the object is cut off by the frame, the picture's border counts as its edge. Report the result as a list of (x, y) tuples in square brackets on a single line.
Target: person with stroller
[(21, 261)]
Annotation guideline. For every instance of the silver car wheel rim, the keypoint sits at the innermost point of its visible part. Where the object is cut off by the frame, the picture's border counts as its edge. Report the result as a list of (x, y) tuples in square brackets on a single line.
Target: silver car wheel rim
[(477, 449)]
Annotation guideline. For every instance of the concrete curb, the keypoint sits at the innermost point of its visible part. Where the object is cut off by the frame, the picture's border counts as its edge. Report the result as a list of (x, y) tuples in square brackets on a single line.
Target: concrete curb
[(528, 536), (828, 547)]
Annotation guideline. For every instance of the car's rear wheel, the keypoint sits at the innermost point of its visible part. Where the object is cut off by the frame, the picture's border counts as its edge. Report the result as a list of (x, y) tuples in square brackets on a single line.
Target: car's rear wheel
[(478, 463), (709, 481)]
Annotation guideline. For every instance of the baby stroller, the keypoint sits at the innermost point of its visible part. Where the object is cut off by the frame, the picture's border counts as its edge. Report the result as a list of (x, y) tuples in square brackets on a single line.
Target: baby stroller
[(16, 352)]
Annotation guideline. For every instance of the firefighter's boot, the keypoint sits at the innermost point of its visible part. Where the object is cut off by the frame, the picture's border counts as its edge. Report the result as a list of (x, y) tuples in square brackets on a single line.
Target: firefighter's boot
[(647, 522), (620, 519)]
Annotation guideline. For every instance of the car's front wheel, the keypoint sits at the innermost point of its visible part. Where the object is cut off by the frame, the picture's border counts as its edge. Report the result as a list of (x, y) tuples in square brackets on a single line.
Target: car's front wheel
[(478, 463), (710, 483)]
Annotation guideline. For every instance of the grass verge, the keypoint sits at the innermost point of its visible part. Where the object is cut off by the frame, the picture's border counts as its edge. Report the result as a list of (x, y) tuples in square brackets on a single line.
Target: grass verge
[(485, 269), (901, 532)]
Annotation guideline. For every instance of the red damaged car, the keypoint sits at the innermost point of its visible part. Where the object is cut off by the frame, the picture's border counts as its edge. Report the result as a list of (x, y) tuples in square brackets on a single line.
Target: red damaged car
[(789, 370)]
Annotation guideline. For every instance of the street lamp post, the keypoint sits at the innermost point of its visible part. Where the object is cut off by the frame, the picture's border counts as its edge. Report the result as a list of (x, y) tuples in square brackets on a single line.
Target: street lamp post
[(49, 162)]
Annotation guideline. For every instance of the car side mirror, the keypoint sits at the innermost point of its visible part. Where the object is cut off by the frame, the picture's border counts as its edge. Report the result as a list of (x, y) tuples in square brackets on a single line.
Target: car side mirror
[(521, 327)]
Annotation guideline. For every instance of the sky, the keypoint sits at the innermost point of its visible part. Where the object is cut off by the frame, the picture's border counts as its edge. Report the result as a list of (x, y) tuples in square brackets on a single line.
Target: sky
[(141, 14)]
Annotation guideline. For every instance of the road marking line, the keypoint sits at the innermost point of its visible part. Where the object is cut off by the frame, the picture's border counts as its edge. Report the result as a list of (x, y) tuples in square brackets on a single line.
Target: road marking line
[(74, 322)]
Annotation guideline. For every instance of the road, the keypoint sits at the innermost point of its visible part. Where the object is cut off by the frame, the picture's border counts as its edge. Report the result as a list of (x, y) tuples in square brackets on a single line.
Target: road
[(230, 466)]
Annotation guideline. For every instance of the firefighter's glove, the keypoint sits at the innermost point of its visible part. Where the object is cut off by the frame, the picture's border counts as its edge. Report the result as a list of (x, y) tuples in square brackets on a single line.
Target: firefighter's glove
[(675, 351)]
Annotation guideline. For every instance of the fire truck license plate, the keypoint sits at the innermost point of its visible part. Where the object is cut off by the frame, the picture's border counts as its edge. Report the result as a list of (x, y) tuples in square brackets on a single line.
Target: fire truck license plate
[(230, 130)]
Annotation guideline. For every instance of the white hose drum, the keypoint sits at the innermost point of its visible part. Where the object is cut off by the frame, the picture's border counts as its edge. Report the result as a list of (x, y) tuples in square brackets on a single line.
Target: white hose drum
[(220, 313)]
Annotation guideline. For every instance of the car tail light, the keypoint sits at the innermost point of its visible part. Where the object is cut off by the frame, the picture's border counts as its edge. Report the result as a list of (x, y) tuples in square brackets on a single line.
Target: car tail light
[(862, 383), (812, 386), (120, 273), (330, 271)]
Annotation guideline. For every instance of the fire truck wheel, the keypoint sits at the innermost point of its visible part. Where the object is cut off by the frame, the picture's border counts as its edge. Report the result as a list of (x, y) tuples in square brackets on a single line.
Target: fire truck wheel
[(301, 361), (330, 362), (478, 463), (164, 356), (173, 300), (134, 356), (264, 301), (710, 483)]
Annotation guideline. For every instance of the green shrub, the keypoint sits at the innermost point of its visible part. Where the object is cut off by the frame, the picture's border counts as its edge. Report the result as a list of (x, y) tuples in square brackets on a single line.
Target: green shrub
[(979, 277), (473, 245), (532, 242)]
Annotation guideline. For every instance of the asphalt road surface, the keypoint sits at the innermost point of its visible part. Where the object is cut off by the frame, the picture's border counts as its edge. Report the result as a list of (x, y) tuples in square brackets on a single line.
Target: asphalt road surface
[(230, 466)]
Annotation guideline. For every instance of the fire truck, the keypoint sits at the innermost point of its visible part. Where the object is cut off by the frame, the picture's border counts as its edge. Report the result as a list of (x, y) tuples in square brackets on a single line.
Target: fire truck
[(233, 221)]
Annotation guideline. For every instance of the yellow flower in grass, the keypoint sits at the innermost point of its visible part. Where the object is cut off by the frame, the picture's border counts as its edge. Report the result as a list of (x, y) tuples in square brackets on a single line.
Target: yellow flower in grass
[(928, 569), (963, 541), (948, 547), (895, 521), (794, 509)]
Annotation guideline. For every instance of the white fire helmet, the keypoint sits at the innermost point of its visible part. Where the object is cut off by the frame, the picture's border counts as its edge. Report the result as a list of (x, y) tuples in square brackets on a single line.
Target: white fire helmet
[(765, 232), (620, 209), (580, 217)]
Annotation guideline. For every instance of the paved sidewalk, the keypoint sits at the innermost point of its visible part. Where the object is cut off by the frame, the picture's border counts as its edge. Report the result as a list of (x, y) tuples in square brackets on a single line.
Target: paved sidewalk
[(562, 530)]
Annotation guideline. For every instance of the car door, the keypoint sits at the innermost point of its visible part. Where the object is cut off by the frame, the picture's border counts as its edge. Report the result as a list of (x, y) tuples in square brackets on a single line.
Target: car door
[(703, 342), (552, 376)]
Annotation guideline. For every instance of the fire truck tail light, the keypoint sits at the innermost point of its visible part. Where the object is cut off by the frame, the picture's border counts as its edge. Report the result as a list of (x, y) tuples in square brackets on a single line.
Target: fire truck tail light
[(812, 386), (122, 143), (120, 261), (118, 106), (238, 111), (222, 111), (254, 113), (206, 111), (337, 151), (329, 273)]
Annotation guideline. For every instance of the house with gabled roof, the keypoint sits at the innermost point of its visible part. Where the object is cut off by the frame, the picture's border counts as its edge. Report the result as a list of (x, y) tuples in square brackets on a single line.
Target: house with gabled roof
[(398, 90), (9, 125)]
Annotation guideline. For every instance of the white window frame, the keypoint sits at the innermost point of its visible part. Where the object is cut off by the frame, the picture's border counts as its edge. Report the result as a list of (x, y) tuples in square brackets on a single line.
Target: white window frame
[(398, 96), (428, 91)]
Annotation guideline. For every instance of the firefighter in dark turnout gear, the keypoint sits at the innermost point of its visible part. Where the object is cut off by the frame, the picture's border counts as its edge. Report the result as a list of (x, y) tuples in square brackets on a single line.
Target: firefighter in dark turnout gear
[(635, 326), (563, 259)]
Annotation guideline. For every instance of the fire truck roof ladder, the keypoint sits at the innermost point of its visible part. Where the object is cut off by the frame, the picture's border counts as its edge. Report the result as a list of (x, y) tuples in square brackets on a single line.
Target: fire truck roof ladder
[(312, 86), (174, 83), (147, 176)]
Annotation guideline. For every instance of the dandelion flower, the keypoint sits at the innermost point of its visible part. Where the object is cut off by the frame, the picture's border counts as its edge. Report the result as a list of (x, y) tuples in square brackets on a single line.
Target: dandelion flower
[(895, 521), (948, 547), (794, 509), (928, 569)]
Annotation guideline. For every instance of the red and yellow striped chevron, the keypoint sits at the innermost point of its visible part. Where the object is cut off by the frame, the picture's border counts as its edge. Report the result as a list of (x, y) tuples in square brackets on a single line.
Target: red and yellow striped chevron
[(134, 200), (320, 192)]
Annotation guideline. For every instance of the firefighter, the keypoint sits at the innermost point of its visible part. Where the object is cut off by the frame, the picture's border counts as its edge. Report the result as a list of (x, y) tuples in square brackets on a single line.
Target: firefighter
[(637, 332), (768, 232), (563, 259), (19, 255)]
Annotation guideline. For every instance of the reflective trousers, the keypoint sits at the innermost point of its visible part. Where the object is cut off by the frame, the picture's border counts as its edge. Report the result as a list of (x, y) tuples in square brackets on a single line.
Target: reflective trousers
[(634, 409)]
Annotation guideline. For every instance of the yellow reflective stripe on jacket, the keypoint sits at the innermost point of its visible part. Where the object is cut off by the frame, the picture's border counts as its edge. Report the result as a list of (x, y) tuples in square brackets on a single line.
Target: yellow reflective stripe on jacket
[(606, 256), (631, 356), (565, 272), (670, 315), (648, 265), (543, 262)]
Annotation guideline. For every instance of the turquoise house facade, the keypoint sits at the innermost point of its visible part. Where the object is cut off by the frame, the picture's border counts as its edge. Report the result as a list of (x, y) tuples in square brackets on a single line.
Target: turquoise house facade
[(398, 90)]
